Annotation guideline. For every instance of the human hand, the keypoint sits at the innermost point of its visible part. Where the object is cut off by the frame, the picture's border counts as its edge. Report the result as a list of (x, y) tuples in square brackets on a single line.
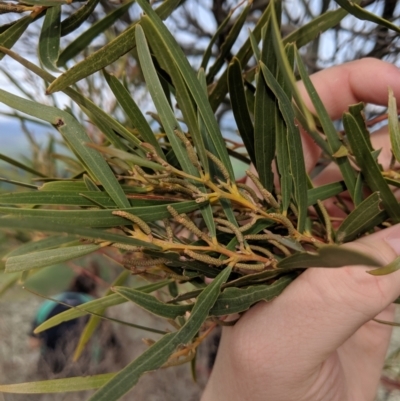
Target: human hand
[(316, 341)]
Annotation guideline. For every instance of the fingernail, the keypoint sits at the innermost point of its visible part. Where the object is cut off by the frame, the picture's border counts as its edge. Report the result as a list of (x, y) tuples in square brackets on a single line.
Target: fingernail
[(393, 239)]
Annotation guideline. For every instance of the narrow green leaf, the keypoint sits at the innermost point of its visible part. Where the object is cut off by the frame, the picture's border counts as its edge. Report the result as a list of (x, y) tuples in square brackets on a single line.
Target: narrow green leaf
[(327, 256), (182, 63), (4, 27), (68, 198), (152, 304), (76, 137), (93, 202), (286, 70), (237, 300), (45, 258), (390, 268), (185, 100), (325, 192), (216, 36), (354, 9), (214, 171), (121, 322), (14, 32), (64, 186), (29, 223), (264, 132), (265, 108), (308, 32), (49, 40), (253, 278), (231, 300), (158, 354), (239, 107), (254, 46), (358, 190), (199, 133), (99, 218), (329, 129), (96, 29), (244, 54), (357, 111), (297, 165), (167, 116), (77, 18), (58, 385), (282, 141), (133, 112), (53, 241), (97, 305), (394, 129), (283, 161), (109, 53), (90, 185), (391, 181), (187, 265), (369, 166), (18, 183), (85, 104), (367, 215), (127, 157), (22, 166), (229, 41), (165, 9)]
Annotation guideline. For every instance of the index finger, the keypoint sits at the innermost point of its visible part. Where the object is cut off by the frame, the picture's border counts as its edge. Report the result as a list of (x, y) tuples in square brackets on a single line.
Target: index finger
[(366, 80)]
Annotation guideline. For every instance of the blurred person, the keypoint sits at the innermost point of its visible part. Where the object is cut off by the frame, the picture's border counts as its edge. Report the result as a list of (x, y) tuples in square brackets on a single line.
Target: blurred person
[(57, 344)]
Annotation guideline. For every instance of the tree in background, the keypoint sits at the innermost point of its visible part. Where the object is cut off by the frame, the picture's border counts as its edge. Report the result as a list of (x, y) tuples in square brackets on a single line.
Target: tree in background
[(195, 23)]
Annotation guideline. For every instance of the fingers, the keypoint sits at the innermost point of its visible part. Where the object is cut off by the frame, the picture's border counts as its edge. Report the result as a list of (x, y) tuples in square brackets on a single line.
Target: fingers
[(323, 308), (319, 311), (283, 346), (363, 355), (366, 80), (380, 141)]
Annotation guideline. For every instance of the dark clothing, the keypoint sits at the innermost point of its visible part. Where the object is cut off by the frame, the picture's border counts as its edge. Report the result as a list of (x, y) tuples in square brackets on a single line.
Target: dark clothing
[(59, 342), (49, 309)]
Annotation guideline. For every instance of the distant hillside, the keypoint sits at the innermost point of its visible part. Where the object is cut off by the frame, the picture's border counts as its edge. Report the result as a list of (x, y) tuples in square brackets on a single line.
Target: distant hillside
[(14, 143)]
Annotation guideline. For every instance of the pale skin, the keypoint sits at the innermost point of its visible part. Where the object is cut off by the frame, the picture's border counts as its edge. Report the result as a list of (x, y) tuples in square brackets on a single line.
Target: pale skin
[(317, 341)]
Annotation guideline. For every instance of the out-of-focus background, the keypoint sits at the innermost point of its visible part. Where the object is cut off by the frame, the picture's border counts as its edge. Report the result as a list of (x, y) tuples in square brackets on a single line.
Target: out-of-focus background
[(19, 362), (35, 143)]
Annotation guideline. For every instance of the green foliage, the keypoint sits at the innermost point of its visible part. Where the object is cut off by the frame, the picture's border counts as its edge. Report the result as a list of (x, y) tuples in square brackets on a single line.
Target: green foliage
[(163, 192)]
